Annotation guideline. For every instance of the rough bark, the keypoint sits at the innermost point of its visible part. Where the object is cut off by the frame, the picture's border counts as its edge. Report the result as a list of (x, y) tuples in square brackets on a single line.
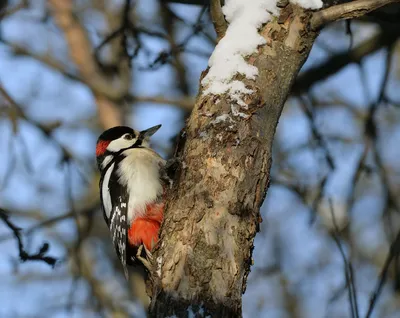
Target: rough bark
[(212, 214)]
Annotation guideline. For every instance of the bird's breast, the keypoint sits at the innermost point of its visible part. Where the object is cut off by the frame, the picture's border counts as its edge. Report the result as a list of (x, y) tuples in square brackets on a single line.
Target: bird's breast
[(140, 170)]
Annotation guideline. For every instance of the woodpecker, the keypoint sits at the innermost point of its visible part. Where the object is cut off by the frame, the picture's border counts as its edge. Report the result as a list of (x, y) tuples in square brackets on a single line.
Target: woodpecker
[(131, 191)]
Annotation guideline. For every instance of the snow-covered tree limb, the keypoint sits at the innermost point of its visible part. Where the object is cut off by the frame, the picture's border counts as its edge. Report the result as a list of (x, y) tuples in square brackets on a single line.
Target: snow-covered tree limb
[(205, 252), (213, 215)]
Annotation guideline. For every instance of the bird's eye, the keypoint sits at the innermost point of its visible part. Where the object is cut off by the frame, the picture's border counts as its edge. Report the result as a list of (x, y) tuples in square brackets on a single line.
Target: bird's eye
[(128, 137)]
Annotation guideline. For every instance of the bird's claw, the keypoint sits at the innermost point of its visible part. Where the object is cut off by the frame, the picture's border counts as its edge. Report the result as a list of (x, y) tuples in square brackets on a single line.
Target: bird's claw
[(144, 261), (148, 253)]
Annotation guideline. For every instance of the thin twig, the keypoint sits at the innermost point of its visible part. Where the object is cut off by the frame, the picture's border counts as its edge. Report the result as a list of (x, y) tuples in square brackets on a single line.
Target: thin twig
[(394, 250), (23, 254), (7, 12), (218, 18), (349, 10), (348, 267), (342, 59)]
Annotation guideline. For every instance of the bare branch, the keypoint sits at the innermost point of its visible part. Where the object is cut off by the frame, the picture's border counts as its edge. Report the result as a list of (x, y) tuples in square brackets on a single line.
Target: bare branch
[(80, 50), (348, 267), (344, 11), (191, 2), (102, 287), (218, 18), (394, 250), (109, 114), (169, 23), (7, 12), (17, 112), (185, 103), (23, 254), (45, 59), (342, 59)]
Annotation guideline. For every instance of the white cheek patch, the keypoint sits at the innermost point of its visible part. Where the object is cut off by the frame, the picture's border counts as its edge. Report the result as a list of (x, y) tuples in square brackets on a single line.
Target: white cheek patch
[(120, 143)]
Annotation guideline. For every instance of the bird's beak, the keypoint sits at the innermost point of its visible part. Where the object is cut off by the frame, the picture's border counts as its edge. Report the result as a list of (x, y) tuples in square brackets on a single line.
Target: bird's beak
[(149, 132)]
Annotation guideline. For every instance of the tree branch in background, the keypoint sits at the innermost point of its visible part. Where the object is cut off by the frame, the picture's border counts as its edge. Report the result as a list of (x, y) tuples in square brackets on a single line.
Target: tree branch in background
[(191, 2), (4, 12), (347, 264), (80, 50), (47, 60), (394, 250), (185, 103), (104, 288), (350, 10), (16, 112), (169, 23), (23, 254), (109, 114), (337, 62), (220, 25)]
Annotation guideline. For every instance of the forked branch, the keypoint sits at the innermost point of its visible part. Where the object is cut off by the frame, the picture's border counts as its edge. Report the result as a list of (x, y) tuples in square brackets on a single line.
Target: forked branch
[(350, 10)]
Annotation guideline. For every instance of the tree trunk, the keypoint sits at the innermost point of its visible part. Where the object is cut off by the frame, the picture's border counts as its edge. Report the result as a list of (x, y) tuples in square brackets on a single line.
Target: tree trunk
[(212, 215)]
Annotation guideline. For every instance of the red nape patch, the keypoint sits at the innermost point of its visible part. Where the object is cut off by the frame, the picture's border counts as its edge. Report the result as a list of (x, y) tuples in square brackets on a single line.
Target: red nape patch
[(101, 147)]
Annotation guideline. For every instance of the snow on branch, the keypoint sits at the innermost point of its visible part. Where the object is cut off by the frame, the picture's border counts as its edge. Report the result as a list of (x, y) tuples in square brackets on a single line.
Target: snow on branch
[(308, 4), (245, 17)]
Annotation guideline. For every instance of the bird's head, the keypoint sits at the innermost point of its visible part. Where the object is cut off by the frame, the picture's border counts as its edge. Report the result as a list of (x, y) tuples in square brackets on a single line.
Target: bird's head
[(117, 139)]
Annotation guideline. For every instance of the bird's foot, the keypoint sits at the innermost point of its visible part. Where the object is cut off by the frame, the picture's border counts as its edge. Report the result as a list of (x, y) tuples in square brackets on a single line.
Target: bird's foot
[(170, 169), (143, 260)]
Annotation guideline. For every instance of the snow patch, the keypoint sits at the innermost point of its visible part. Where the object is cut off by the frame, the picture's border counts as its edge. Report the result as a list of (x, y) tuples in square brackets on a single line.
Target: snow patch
[(159, 263), (242, 39), (308, 4), (235, 109), (245, 17), (222, 118)]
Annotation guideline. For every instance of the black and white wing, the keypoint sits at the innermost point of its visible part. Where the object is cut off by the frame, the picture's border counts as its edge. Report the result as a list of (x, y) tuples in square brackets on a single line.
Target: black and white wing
[(115, 209), (118, 229)]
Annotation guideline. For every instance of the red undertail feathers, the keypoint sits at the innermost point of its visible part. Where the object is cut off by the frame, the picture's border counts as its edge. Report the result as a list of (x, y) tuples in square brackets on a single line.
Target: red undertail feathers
[(144, 230)]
